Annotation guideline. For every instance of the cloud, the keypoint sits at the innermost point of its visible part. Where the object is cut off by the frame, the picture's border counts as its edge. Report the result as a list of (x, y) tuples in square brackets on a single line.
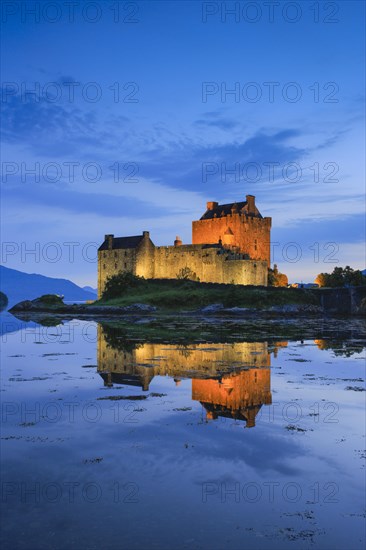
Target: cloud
[(85, 203), (65, 79), (202, 166), (220, 122), (50, 129)]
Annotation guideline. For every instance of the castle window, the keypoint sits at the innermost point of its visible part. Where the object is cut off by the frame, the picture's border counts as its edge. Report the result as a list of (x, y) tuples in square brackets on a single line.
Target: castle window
[(115, 254), (104, 254), (103, 266), (126, 253), (255, 265), (125, 264)]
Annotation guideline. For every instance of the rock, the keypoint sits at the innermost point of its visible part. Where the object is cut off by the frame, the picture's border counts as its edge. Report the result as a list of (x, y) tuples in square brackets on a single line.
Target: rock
[(238, 310), (296, 308), (140, 307), (311, 308), (288, 308), (44, 303), (361, 309), (212, 308), (25, 305)]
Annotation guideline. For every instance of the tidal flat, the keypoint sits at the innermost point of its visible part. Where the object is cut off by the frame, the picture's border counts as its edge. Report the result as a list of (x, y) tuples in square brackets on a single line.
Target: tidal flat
[(183, 432)]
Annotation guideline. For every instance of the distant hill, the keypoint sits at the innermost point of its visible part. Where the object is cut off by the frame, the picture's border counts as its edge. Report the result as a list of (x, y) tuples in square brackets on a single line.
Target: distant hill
[(91, 289), (20, 286)]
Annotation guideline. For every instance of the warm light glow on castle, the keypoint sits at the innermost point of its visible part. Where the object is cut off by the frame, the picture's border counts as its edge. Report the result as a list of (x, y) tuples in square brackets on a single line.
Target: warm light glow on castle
[(230, 245), (229, 380)]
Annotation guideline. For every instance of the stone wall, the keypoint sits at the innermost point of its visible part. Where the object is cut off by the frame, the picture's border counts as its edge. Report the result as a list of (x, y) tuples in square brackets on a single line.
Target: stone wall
[(209, 265), (111, 262)]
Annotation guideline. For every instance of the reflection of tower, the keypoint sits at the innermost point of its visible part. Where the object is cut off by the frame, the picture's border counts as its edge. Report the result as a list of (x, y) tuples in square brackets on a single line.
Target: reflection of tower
[(237, 395), (231, 380)]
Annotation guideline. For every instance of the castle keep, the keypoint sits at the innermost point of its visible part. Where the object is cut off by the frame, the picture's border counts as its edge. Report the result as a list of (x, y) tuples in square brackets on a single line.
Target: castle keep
[(230, 244)]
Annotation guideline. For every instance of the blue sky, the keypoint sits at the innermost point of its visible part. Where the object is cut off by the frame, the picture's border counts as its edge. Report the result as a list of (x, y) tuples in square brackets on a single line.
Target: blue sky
[(148, 90)]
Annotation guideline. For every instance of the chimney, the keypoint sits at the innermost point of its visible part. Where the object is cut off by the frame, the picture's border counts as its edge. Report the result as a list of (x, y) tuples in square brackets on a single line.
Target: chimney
[(178, 241), (212, 205), (109, 239), (146, 234), (251, 204)]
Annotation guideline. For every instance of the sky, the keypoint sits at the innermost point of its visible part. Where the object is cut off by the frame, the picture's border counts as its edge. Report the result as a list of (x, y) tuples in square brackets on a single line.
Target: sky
[(120, 117)]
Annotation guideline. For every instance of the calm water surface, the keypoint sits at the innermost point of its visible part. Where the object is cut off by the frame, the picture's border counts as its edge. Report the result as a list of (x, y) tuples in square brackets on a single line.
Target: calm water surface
[(110, 441)]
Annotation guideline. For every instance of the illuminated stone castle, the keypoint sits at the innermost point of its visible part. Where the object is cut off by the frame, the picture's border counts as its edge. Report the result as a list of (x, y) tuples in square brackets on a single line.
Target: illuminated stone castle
[(230, 245)]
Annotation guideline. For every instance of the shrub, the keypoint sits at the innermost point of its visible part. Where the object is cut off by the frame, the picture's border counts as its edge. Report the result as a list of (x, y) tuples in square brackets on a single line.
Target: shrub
[(117, 285), (187, 273), (51, 299), (275, 278)]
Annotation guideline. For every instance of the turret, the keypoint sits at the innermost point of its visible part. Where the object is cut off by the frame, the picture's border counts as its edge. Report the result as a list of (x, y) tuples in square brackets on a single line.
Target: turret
[(109, 239), (251, 204)]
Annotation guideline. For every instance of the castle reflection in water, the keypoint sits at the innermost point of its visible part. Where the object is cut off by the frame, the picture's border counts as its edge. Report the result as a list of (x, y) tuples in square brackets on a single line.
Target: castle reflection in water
[(229, 379)]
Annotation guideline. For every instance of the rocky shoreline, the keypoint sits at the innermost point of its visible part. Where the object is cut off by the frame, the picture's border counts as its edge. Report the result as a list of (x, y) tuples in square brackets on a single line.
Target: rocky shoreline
[(38, 307)]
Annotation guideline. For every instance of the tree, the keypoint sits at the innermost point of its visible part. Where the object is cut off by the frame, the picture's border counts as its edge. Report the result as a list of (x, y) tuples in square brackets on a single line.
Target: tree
[(118, 284), (275, 278), (323, 279), (341, 277)]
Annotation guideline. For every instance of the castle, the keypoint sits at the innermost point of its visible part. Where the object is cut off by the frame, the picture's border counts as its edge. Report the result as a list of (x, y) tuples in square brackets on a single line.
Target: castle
[(230, 245)]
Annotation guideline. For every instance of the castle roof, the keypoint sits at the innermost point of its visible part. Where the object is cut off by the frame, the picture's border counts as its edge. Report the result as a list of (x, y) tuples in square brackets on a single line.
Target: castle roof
[(122, 242), (225, 209)]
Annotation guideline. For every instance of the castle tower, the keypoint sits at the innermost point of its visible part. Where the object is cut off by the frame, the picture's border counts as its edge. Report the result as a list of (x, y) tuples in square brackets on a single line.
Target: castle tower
[(239, 226)]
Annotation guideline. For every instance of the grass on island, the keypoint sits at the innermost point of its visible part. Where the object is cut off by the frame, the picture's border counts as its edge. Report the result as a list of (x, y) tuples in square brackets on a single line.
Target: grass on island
[(173, 294)]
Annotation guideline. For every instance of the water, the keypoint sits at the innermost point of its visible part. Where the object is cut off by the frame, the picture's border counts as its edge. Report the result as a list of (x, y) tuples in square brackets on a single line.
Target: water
[(135, 436)]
